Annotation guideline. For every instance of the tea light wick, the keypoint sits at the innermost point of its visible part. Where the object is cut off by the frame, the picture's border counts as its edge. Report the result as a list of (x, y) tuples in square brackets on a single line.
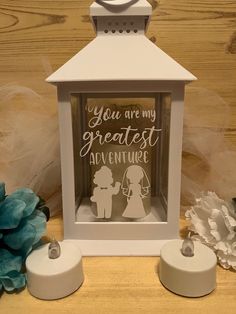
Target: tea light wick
[(188, 247), (54, 249)]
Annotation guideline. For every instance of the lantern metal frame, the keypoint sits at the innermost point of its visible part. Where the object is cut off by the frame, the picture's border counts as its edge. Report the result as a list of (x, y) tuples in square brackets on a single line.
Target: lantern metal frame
[(109, 65)]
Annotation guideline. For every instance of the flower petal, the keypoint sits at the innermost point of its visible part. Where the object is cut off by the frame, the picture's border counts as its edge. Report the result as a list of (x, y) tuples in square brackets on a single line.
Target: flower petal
[(212, 219), (226, 260), (220, 224), (9, 262), (28, 233), (199, 224), (11, 213), (38, 220), (23, 235), (230, 222), (12, 281), (29, 197)]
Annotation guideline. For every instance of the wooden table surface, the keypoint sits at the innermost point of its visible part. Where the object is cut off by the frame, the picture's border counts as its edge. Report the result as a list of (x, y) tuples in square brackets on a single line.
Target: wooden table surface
[(124, 285), (38, 36)]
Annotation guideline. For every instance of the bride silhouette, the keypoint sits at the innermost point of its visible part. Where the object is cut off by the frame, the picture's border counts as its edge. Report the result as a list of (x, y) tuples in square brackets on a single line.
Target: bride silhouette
[(135, 185)]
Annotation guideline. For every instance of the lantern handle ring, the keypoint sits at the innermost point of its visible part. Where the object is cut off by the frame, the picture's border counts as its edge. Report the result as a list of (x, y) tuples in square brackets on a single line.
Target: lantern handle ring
[(116, 2)]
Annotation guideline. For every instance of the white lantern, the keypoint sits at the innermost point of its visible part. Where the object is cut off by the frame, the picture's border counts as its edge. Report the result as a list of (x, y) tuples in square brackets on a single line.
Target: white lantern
[(121, 116)]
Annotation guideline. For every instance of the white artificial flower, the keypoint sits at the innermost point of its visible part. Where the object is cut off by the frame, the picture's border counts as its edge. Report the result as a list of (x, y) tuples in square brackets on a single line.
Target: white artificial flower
[(214, 222)]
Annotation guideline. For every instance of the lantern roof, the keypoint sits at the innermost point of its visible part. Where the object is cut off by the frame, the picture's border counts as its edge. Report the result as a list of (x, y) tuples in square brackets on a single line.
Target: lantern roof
[(121, 54)]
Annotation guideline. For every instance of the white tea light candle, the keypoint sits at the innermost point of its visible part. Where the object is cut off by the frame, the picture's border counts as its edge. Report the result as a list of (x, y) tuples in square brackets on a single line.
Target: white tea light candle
[(189, 275), (54, 273)]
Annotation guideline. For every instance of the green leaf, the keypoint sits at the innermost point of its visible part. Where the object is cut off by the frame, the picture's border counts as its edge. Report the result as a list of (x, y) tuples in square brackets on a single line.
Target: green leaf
[(2, 191), (45, 210), (11, 213), (41, 202)]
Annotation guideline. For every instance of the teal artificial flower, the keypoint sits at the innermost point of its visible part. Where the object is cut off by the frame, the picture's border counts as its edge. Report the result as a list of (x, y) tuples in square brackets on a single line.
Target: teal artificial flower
[(11, 213), (16, 206), (23, 238), (23, 218), (28, 197), (11, 277)]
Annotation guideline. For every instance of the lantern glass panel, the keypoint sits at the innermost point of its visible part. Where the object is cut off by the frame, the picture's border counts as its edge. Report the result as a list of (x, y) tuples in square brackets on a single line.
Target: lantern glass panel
[(121, 156)]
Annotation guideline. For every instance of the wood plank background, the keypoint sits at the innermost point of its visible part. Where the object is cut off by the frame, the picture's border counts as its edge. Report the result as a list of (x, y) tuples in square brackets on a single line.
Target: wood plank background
[(38, 36)]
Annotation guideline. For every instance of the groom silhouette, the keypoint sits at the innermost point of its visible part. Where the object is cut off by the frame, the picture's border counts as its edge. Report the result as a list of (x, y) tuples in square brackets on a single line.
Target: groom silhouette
[(103, 192)]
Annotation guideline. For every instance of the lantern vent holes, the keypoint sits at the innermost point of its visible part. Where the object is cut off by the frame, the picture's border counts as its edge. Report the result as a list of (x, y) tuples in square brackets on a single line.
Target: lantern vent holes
[(120, 25), (113, 31)]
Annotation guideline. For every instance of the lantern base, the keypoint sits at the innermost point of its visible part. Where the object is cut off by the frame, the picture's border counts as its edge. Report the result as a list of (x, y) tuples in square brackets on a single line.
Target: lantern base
[(120, 247)]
